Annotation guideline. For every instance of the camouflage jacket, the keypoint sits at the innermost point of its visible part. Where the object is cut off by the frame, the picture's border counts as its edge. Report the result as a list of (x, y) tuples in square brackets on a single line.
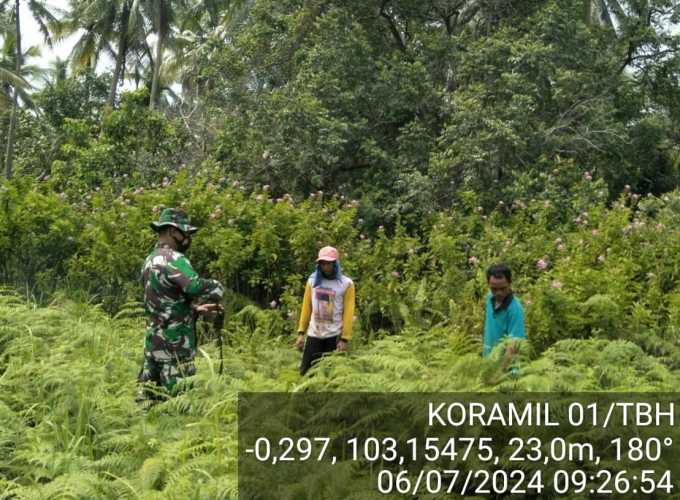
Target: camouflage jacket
[(170, 285)]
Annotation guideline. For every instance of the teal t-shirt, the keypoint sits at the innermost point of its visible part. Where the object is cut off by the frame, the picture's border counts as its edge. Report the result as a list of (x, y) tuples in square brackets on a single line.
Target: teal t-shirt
[(507, 320)]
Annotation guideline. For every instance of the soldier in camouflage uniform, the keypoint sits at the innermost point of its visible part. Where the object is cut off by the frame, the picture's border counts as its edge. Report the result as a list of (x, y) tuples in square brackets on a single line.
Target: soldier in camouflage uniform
[(171, 290)]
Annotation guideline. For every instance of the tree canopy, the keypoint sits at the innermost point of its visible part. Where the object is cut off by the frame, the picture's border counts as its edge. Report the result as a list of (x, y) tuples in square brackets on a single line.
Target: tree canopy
[(405, 104)]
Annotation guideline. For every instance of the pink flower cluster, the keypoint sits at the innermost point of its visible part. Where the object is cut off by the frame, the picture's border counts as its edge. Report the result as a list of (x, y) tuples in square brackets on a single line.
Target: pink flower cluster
[(582, 219), (217, 211)]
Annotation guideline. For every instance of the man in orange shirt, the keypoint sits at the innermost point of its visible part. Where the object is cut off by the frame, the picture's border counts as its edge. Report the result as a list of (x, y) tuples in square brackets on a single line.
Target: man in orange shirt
[(327, 310)]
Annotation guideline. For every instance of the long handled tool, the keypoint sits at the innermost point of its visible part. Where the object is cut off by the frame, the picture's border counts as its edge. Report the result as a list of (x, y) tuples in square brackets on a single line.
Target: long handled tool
[(219, 329)]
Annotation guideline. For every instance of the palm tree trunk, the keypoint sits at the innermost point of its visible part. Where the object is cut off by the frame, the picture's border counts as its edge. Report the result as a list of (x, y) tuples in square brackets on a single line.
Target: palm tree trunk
[(9, 155), (160, 42), (122, 51), (588, 12)]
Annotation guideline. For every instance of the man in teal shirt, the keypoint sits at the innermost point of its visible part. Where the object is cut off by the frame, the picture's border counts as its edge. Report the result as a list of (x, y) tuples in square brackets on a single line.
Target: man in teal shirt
[(504, 313)]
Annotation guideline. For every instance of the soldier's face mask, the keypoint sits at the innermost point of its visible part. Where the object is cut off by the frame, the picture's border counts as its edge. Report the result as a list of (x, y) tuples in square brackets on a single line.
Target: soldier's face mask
[(183, 244)]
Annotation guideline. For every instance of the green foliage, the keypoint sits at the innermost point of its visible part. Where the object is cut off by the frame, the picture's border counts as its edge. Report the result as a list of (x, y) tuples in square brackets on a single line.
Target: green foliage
[(133, 145), (37, 238), (80, 97), (409, 100), (425, 143), (405, 105), (75, 430), (581, 269)]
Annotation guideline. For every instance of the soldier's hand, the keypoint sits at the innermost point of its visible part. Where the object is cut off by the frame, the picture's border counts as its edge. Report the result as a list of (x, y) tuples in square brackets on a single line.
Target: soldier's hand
[(208, 308), (300, 342)]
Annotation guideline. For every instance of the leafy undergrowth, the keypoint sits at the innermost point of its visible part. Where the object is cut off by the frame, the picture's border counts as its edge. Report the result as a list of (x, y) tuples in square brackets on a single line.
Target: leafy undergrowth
[(71, 426)]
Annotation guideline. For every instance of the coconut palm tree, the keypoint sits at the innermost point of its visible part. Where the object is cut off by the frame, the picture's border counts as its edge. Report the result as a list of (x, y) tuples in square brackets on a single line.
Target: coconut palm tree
[(44, 19), (9, 79), (106, 29), (12, 82), (161, 14), (203, 25), (57, 71)]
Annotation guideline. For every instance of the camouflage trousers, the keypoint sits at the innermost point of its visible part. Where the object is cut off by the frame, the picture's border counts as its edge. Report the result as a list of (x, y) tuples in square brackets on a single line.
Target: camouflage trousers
[(163, 366)]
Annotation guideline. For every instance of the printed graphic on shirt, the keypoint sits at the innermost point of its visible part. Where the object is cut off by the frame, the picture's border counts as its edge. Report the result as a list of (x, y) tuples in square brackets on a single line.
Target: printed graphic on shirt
[(325, 300)]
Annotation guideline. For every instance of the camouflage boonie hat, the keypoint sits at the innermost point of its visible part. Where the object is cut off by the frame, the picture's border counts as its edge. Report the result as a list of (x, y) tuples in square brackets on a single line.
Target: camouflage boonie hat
[(176, 218)]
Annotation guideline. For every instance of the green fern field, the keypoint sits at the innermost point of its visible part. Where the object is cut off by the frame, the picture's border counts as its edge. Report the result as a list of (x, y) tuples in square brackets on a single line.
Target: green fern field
[(599, 282), (428, 141), (71, 427)]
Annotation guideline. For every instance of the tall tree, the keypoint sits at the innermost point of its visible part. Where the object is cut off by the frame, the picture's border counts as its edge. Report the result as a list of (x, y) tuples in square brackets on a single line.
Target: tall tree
[(45, 19), (122, 48), (104, 27), (161, 15), (11, 135), (11, 80), (57, 72), (201, 31), (162, 28)]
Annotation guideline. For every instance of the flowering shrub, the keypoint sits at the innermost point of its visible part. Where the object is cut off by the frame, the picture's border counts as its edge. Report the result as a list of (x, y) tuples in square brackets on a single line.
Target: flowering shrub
[(589, 271)]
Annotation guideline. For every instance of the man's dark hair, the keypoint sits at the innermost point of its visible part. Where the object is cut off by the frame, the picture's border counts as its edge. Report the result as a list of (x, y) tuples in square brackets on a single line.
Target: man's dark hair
[(499, 271)]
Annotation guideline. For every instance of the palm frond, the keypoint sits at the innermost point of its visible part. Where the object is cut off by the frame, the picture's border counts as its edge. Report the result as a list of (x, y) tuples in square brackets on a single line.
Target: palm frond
[(43, 18), (10, 77)]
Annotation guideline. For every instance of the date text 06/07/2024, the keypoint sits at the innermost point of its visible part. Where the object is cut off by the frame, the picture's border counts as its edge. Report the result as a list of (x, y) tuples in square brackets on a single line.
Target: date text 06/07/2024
[(513, 482)]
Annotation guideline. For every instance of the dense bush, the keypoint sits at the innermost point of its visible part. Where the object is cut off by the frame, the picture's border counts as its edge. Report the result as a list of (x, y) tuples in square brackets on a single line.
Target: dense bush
[(582, 269)]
